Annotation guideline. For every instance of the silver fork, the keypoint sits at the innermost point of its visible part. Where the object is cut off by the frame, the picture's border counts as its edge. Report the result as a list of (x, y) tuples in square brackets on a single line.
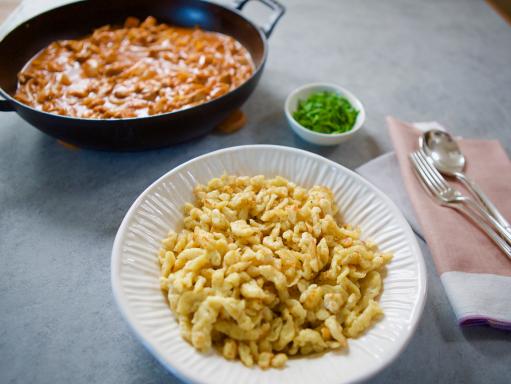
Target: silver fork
[(448, 196), (454, 196)]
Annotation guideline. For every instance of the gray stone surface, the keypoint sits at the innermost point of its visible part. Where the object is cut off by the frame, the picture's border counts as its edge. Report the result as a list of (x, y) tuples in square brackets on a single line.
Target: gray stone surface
[(418, 60)]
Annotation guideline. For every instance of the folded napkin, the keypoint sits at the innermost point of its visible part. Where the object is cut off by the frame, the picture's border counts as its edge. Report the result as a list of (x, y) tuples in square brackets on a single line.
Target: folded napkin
[(475, 273)]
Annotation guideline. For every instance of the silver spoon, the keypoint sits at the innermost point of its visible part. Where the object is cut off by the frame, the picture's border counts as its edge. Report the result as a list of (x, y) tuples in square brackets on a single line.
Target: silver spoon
[(449, 160)]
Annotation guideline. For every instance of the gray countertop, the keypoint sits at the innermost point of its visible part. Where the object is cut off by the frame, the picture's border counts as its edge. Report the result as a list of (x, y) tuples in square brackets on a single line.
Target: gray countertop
[(446, 60)]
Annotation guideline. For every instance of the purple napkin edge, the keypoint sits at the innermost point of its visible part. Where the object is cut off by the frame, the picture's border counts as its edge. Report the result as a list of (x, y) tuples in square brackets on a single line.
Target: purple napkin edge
[(471, 321)]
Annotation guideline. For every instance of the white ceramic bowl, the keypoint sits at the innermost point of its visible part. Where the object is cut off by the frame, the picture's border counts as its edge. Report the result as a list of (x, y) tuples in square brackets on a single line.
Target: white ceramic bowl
[(302, 93), (135, 269)]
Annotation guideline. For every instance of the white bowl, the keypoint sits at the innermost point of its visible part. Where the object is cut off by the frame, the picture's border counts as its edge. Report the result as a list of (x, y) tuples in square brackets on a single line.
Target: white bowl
[(135, 268), (322, 138)]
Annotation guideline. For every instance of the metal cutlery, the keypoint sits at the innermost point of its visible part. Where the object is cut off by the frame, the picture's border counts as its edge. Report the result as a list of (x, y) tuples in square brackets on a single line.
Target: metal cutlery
[(435, 186), (454, 195), (448, 159)]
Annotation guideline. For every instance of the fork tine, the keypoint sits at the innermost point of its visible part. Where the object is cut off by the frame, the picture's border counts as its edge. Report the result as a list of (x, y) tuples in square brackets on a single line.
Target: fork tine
[(433, 171), (426, 174), (422, 176), (429, 170), (423, 166), (418, 173)]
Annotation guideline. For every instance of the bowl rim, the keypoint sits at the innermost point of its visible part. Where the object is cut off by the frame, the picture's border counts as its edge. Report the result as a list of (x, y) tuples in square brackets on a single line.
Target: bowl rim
[(358, 123), (146, 340)]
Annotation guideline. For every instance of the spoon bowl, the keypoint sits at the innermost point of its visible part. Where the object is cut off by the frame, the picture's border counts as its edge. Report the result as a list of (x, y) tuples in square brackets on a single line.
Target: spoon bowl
[(444, 151)]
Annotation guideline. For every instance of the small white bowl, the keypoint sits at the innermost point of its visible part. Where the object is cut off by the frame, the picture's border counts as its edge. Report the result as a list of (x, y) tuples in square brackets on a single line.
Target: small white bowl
[(303, 93)]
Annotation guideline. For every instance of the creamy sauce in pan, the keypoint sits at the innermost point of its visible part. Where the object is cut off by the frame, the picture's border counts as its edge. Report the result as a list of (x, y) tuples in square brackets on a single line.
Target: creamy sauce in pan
[(138, 70)]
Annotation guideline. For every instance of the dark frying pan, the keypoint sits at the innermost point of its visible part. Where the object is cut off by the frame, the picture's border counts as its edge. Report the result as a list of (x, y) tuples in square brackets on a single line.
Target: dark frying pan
[(79, 19)]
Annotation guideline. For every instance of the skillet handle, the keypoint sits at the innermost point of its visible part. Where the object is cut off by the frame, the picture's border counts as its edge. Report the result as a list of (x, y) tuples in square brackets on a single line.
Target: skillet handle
[(5, 106), (277, 8)]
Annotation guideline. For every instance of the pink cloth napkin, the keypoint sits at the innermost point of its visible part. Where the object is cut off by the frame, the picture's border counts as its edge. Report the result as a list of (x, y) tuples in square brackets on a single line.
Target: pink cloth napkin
[(475, 273)]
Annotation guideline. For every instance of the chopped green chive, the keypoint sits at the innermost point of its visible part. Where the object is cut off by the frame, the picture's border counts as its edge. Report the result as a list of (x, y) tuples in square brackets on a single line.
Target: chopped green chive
[(326, 112)]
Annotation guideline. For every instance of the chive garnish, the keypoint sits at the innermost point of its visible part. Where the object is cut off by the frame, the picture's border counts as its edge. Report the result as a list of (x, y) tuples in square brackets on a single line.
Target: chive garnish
[(326, 112)]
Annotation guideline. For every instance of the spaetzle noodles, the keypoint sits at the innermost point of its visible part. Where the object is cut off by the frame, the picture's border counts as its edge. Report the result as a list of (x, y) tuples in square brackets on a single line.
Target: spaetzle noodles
[(262, 270)]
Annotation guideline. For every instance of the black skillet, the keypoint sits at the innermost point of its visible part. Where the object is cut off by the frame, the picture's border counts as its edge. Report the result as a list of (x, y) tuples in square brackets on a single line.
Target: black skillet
[(79, 19)]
